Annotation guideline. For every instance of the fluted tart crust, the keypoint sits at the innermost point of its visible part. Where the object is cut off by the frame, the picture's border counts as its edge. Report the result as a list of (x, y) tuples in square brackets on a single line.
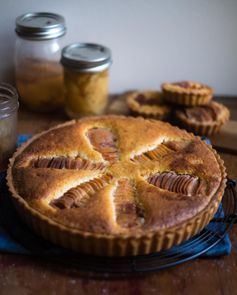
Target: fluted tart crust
[(203, 120), (115, 185), (187, 93), (148, 104)]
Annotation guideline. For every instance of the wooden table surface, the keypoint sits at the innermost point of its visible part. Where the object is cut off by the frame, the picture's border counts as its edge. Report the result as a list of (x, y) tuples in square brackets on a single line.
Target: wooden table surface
[(28, 275)]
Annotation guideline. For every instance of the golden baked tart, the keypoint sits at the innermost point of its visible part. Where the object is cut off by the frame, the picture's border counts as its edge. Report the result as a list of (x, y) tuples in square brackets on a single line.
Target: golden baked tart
[(203, 120), (115, 185), (148, 104), (187, 93)]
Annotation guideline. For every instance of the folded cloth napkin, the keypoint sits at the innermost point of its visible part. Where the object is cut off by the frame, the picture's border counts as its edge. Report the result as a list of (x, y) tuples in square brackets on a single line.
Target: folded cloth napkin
[(223, 247)]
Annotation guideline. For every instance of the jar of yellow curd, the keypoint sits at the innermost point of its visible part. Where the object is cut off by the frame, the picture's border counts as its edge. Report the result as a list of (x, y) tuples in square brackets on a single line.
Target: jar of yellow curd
[(39, 74), (86, 72)]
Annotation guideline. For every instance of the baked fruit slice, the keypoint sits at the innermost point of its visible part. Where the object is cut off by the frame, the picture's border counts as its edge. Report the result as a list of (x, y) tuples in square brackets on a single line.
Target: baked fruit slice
[(148, 104), (116, 185), (187, 93), (203, 120)]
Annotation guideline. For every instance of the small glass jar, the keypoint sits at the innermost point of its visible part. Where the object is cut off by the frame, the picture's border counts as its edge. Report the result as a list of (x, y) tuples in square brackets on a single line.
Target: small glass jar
[(86, 72), (8, 123), (39, 74)]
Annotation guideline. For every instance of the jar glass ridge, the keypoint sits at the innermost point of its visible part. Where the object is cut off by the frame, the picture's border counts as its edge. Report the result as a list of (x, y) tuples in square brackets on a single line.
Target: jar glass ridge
[(8, 122)]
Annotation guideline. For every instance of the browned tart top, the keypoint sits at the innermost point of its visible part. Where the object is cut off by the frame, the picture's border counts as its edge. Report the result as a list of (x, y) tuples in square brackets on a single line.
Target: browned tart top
[(209, 113), (116, 175), (187, 87), (148, 102)]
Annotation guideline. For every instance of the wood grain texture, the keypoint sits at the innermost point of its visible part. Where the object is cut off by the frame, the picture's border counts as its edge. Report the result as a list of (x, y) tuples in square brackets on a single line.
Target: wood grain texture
[(28, 275)]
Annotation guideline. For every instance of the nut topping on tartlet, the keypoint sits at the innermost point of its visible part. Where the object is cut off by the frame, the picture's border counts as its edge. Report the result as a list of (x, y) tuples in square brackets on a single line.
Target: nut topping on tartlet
[(203, 120), (187, 93), (149, 104)]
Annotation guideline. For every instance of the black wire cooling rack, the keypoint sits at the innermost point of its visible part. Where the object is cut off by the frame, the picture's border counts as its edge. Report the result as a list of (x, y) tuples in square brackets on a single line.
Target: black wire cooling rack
[(215, 231)]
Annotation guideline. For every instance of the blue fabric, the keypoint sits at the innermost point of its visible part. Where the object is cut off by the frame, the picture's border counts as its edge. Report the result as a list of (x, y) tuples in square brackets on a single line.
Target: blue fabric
[(22, 138), (7, 244), (222, 248)]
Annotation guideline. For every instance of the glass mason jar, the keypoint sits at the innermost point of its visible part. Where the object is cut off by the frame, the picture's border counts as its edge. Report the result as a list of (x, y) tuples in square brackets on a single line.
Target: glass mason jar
[(86, 72), (8, 123), (39, 74)]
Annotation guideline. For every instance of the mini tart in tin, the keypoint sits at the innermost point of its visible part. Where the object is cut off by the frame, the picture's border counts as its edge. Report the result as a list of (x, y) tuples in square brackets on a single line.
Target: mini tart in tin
[(115, 185), (203, 120), (148, 104), (187, 93)]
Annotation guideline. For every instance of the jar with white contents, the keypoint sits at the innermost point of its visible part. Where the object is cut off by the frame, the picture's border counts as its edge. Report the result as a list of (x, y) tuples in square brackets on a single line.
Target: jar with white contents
[(8, 123), (39, 74)]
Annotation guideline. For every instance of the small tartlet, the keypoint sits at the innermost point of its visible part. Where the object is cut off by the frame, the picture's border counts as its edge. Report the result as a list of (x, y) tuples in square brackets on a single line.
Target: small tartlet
[(187, 93), (203, 120), (148, 104)]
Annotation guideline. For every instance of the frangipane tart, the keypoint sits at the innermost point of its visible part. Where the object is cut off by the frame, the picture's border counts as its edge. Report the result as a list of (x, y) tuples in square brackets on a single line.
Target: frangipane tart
[(203, 120), (187, 93), (115, 185), (148, 104)]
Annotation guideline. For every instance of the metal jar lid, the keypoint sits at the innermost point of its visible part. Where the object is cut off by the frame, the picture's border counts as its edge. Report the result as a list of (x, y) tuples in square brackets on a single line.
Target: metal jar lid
[(40, 25), (86, 57)]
